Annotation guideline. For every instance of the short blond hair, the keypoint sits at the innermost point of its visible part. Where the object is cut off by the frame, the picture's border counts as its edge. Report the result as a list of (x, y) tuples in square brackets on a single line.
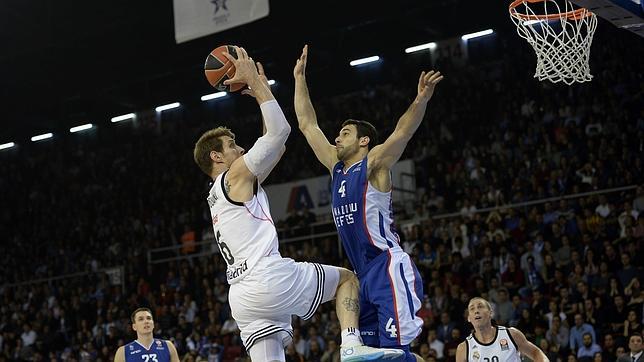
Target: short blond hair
[(489, 306), (210, 141)]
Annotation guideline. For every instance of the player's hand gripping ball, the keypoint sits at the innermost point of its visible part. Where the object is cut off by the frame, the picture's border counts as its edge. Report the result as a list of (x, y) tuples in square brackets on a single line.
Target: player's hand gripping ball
[(218, 68)]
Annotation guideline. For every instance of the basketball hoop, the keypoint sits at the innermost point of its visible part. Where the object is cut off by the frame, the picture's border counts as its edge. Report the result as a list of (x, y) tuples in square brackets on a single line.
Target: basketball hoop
[(561, 39)]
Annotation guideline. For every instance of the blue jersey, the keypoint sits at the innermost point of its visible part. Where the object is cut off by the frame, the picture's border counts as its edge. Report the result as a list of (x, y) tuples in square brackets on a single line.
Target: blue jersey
[(158, 352), (362, 215)]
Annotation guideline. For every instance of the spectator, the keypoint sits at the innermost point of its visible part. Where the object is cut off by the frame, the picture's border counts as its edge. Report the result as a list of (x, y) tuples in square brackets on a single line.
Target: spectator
[(588, 349), (578, 331), (435, 344), (635, 350)]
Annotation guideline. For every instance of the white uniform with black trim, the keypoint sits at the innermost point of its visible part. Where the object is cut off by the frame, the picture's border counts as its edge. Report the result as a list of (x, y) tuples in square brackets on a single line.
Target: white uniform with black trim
[(501, 349), (265, 289)]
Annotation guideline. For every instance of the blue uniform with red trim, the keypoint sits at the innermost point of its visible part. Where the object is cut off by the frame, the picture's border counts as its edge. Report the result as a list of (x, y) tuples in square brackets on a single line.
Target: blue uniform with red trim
[(158, 352), (390, 285)]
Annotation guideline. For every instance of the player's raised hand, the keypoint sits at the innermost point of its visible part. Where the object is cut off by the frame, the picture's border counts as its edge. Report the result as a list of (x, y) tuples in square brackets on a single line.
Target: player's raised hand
[(262, 77), (245, 69), (426, 84), (299, 71)]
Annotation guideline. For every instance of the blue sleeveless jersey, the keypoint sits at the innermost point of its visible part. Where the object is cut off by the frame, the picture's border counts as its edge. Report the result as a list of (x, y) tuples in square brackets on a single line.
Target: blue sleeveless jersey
[(158, 352), (362, 215)]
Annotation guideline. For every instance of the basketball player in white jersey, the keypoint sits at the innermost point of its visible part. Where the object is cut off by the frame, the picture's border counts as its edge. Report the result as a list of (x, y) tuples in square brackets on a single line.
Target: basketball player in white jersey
[(266, 289), (492, 343)]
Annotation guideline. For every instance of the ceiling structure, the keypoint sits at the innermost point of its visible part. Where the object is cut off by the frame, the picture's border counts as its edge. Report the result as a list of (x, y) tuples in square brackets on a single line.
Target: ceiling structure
[(64, 63)]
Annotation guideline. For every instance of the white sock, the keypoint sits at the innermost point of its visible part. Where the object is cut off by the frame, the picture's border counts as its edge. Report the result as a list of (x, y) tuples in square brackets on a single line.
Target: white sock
[(351, 337)]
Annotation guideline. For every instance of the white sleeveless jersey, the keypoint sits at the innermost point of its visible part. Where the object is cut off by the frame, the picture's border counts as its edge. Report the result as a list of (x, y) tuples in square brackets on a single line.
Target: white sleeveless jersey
[(244, 231), (501, 349)]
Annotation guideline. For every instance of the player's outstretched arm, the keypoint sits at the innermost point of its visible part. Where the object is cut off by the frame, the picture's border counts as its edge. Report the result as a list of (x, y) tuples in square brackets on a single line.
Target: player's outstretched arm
[(250, 92), (267, 150), (385, 155), (307, 119), (174, 355), (120, 355), (461, 352), (526, 347)]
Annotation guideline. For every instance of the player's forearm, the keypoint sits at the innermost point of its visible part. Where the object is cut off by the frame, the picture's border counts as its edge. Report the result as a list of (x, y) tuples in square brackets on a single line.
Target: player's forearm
[(275, 124), (261, 91), (410, 120), (267, 150), (303, 107)]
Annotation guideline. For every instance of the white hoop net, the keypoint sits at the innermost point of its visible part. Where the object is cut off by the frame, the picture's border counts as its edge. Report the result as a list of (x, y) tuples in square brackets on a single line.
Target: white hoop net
[(561, 37)]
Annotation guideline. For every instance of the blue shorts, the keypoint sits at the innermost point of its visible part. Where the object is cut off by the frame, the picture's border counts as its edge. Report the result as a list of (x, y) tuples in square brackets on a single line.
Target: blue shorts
[(391, 290)]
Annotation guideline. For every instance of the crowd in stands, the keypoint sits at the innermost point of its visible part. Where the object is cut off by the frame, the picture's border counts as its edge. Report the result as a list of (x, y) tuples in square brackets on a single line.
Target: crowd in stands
[(567, 272)]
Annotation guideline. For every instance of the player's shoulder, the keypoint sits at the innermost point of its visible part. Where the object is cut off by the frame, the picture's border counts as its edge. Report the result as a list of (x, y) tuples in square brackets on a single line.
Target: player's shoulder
[(119, 356), (461, 351)]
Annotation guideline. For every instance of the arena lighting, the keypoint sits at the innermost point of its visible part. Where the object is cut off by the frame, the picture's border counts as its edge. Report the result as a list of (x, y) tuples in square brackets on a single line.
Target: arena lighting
[(532, 22), (81, 128), (41, 137), (123, 117), (430, 46), (271, 81), (360, 61), (165, 107), (477, 34), (7, 145), (210, 96)]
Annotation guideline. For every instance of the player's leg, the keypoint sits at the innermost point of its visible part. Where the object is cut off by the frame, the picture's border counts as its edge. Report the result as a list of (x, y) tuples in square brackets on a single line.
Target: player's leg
[(395, 289), (348, 311), (269, 348), (312, 284), (368, 322)]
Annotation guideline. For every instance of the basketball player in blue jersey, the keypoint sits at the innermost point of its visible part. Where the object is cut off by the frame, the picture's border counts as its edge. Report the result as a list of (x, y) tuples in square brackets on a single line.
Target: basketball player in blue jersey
[(492, 343), (146, 348), (266, 290), (391, 288)]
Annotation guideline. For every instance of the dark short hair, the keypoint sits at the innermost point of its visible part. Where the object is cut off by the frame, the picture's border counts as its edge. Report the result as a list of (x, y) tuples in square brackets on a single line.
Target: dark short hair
[(364, 129), (140, 310), (635, 335)]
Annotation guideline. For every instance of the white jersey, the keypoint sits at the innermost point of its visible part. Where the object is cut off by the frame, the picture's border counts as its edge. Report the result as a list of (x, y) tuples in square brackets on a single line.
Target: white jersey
[(244, 231), (501, 349)]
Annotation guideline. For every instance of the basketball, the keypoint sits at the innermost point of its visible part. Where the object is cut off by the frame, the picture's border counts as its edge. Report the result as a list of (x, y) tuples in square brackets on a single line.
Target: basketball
[(218, 68)]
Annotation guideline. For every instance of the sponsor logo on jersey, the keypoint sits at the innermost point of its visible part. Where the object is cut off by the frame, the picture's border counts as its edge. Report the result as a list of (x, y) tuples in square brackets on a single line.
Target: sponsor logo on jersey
[(504, 344), (357, 169), (131, 348), (344, 214), (159, 346), (476, 355), (233, 273), (212, 199), (215, 219)]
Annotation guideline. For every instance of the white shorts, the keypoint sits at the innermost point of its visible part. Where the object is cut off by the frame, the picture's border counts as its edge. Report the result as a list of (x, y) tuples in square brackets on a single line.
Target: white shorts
[(263, 302)]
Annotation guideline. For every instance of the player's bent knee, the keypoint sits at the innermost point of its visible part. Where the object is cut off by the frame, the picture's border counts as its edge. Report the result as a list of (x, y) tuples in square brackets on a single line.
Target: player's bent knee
[(347, 275)]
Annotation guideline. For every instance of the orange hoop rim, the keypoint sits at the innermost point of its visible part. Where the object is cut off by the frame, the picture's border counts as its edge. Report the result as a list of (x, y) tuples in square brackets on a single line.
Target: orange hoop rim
[(570, 15)]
